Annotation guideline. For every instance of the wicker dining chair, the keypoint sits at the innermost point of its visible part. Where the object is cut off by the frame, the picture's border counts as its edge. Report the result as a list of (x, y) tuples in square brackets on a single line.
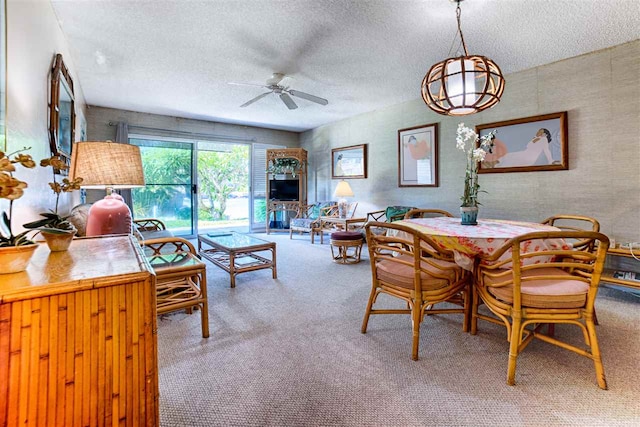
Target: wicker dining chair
[(575, 222), (422, 278), (544, 281), (426, 213)]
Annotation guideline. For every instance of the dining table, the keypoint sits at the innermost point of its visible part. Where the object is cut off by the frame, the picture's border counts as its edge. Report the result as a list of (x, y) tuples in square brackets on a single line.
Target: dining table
[(470, 242)]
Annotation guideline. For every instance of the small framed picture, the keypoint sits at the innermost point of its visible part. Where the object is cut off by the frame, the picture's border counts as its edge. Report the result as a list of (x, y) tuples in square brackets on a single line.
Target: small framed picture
[(418, 156), (349, 162), (536, 143)]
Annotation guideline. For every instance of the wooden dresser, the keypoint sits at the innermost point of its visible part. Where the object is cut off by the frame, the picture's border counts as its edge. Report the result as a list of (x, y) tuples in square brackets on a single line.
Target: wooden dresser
[(78, 342)]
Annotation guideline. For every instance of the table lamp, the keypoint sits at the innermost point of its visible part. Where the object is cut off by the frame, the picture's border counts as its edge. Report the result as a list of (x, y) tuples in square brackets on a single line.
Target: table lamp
[(107, 165), (343, 190)]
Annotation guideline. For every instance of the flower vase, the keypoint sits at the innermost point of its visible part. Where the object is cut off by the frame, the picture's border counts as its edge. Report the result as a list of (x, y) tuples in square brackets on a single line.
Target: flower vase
[(14, 259), (58, 241), (469, 215)]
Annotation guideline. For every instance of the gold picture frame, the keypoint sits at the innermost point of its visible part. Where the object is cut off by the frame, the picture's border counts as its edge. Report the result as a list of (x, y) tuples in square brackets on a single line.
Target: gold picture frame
[(517, 146)]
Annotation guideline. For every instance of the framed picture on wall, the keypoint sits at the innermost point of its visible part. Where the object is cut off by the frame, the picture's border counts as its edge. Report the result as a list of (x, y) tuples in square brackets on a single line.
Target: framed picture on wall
[(418, 156), (349, 162), (536, 143)]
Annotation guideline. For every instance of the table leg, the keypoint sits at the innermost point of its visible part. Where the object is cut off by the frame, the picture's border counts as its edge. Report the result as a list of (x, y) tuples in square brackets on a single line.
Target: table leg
[(232, 269), (274, 267)]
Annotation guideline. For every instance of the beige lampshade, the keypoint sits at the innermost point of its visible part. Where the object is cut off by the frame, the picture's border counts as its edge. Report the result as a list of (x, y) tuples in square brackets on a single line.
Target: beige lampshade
[(343, 190), (107, 165)]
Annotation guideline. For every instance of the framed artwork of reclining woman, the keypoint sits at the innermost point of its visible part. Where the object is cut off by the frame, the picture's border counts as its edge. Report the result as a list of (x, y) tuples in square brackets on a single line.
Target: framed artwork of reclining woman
[(530, 144)]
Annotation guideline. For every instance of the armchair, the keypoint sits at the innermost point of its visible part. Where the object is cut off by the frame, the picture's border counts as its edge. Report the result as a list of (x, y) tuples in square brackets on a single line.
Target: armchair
[(389, 214), (143, 229), (559, 287), (151, 228), (307, 219), (408, 265)]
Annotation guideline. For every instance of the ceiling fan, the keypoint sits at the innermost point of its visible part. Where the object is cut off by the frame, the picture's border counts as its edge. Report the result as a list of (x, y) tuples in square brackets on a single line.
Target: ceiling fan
[(274, 84)]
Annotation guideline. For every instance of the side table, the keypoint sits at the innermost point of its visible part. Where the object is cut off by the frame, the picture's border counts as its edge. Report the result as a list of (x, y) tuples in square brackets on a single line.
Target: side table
[(181, 282)]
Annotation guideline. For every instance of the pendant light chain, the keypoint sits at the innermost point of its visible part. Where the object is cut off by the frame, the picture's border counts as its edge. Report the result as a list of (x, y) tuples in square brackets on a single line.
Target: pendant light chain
[(458, 13)]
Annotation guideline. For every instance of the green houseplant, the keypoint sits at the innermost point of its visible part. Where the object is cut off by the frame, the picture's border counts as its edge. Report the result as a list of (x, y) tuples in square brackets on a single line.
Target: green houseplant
[(15, 249), (476, 151), (56, 230), (284, 165)]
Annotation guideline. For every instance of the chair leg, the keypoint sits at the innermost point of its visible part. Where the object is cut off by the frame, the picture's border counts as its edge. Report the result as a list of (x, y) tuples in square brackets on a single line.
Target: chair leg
[(595, 354), (415, 323), (205, 307), (466, 294), (290, 234), (367, 312), (514, 343), (474, 310)]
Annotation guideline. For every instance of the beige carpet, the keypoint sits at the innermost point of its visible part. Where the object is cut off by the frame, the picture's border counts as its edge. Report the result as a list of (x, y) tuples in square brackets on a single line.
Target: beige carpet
[(289, 352)]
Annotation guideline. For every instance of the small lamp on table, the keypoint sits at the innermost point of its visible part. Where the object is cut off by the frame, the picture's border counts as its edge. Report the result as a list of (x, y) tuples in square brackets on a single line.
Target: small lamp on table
[(108, 166), (343, 190)]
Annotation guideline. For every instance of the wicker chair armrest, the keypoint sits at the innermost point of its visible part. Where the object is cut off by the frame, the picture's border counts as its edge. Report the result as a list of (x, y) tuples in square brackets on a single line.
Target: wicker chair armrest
[(166, 245), (376, 216), (149, 224)]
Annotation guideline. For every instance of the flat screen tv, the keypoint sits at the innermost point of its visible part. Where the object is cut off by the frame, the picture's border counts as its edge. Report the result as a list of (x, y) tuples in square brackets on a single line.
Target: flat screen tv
[(284, 189)]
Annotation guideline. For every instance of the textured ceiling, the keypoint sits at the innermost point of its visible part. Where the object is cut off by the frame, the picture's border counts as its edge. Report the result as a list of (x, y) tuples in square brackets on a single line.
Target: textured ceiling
[(177, 57)]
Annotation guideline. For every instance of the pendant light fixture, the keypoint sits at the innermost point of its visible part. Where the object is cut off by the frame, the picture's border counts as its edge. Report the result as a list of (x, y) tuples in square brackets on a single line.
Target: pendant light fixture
[(463, 85)]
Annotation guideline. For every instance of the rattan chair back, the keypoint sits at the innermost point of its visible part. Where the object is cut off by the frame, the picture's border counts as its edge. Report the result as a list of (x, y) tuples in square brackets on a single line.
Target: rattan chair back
[(575, 223), (426, 213)]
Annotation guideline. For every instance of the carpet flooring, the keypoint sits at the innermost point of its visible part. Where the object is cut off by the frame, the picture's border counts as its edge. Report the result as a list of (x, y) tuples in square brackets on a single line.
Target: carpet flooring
[(289, 352)]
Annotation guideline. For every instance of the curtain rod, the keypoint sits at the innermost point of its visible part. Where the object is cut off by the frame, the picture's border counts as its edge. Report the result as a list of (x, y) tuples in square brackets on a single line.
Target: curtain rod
[(193, 134)]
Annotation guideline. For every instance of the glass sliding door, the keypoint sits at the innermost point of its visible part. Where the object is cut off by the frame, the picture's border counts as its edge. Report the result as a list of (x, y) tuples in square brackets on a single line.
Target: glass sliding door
[(168, 174), (223, 186), (194, 186)]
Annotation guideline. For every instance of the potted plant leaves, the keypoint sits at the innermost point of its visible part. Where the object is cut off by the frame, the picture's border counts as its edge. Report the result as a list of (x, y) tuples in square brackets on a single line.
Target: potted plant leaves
[(284, 165), (56, 230), (15, 250)]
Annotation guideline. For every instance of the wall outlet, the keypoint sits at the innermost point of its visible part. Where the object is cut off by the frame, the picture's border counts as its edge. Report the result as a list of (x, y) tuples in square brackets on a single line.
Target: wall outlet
[(631, 245)]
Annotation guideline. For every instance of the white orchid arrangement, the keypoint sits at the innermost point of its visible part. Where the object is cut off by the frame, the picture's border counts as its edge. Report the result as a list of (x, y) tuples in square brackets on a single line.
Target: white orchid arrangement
[(476, 152)]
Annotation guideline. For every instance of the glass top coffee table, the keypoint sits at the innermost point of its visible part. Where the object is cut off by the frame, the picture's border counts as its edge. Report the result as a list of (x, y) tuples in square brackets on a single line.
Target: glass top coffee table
[(236, 253)]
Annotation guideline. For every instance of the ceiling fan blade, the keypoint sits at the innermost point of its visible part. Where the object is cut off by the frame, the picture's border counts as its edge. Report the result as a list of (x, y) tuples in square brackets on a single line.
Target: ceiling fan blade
[(257, 98), (244, 84), (308, 97), (288, 101)]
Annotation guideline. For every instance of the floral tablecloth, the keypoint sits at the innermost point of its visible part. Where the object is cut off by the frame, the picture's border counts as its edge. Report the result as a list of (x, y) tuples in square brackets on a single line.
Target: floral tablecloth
[(469, 242)]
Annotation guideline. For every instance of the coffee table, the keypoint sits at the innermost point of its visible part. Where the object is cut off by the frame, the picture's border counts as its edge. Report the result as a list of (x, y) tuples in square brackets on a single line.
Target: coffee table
[(236, 253)]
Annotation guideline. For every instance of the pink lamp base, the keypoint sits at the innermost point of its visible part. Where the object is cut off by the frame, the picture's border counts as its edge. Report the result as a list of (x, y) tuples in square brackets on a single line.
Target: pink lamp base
[(109, 216)]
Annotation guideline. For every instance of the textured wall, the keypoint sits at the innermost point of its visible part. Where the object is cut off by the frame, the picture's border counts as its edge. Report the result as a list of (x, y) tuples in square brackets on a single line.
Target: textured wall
[(600, 91), (98, 129), (34, 38)]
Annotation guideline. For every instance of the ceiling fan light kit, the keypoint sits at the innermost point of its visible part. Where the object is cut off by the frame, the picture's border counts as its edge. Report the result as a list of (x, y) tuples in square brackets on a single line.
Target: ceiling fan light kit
[(462, 85), (274, 85)]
